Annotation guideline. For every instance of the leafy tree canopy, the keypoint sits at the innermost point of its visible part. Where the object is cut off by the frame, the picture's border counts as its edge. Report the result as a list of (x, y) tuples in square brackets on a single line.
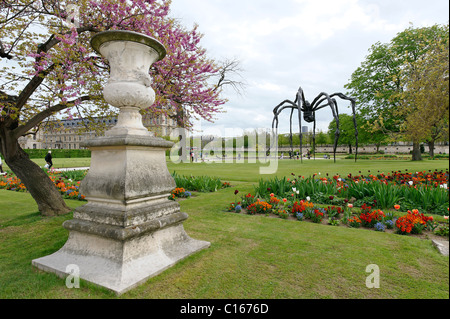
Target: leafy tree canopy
[(377, 83)]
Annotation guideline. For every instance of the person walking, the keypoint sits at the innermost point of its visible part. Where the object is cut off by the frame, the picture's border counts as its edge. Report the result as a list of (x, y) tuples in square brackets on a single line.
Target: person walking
[(48, 159), (1, 168)]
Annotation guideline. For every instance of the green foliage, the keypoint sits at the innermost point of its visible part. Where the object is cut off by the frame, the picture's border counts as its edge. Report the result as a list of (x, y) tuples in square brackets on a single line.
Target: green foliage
[(442, 230), (386, 195), (202, 184), (378, 83), (347, 130), (279, 186), (382, 194), (430, 199), (333, 222), (74, 175)]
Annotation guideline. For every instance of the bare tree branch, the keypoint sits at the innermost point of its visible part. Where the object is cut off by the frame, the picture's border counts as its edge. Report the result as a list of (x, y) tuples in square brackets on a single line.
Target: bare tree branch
[(228, 69), (38, 118)]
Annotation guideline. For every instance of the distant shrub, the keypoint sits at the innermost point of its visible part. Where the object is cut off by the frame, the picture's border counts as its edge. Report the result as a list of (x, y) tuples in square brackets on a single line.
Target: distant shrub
[(202, 184)]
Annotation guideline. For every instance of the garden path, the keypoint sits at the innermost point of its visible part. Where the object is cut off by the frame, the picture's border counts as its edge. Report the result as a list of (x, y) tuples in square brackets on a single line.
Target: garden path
[(71, 169)]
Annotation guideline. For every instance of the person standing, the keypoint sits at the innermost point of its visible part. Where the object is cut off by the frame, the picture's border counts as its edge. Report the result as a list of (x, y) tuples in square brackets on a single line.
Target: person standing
[(48, 159)]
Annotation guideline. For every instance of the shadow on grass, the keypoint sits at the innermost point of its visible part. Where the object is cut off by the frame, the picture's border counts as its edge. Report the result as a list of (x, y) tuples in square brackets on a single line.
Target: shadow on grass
[(23, 220)]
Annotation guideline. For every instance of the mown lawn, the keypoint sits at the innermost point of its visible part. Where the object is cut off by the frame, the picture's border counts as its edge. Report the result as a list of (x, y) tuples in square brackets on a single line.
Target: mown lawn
[(251, 257), (250, 172)]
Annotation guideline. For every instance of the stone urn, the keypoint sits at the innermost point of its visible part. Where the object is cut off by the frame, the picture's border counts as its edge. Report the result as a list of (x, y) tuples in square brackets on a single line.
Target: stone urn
[(130, 56), (129, 230)]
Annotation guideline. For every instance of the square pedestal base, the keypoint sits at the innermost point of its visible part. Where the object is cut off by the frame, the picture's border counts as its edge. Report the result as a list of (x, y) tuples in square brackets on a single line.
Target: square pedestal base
[(121, 266)]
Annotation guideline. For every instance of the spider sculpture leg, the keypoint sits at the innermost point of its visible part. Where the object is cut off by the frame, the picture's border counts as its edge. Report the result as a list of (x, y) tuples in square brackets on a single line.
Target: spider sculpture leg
[(300, 100), (274, 134), (301, 133), (277, 111), (356, 128), (290, 135), (317, 105), (338, 132), (353, 103), (314, 137)]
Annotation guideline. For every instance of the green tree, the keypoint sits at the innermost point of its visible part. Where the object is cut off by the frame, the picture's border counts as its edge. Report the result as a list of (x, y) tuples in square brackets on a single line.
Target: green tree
[(322, 138), (424, 104), (378, 83), (48, 67), (347, 131)]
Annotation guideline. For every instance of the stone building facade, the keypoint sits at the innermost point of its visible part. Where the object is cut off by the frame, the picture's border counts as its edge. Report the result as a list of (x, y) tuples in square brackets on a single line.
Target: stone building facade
[(69, 135)]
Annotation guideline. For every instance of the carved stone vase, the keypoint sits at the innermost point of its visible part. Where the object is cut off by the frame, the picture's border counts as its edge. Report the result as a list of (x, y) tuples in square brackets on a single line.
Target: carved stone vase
[(129, 231)]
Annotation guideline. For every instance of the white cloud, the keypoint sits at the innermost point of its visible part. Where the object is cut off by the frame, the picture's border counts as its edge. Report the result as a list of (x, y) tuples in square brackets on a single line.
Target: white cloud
[(268, 86), (316, 44)]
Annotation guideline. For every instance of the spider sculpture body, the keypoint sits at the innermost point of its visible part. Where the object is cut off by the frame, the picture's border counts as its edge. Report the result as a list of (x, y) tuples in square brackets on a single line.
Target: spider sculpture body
[(309, 115)]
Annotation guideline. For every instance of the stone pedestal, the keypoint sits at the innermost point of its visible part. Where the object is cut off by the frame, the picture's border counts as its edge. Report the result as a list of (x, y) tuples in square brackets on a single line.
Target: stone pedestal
[(129, 231)]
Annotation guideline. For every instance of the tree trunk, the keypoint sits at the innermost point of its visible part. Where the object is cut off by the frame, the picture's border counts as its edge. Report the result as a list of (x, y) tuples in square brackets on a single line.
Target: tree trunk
[(431, 148), (39, 185), (416, 154), (185, 146), (350, 151), (378, 147)]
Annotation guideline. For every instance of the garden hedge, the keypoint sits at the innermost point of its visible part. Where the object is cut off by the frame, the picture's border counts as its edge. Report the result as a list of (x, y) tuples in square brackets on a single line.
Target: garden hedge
[(39, 153)]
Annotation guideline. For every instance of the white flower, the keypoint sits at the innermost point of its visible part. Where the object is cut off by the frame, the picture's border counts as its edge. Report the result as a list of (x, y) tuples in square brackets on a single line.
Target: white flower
[(444, 186), (294, 189), (308, 199), (411, 183), (298, 192)]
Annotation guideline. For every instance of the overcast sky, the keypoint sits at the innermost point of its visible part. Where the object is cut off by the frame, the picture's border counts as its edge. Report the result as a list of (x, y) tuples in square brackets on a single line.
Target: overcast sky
[(285, 44)]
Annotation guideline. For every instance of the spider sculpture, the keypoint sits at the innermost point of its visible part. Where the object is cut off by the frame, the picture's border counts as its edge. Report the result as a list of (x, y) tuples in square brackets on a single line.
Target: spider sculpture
[(309, 110)]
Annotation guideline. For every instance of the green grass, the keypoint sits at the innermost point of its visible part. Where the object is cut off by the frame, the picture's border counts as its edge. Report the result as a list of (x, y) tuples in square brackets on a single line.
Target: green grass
[(250, 256), (60, 162), (251, 172)]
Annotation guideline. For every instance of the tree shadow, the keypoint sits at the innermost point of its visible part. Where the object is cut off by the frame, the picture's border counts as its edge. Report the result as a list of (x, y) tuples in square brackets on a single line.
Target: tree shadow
[(22, 220)]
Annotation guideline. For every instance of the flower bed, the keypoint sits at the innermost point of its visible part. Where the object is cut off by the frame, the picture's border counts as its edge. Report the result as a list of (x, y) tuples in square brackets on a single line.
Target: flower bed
[(426, 191), (202, 184), (413, 223), (368, 217), (68, 188), (179, 192), (68, 184)]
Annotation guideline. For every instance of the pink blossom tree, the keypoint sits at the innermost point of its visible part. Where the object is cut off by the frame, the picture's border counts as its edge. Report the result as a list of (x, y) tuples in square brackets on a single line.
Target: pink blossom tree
[(48, 68)]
